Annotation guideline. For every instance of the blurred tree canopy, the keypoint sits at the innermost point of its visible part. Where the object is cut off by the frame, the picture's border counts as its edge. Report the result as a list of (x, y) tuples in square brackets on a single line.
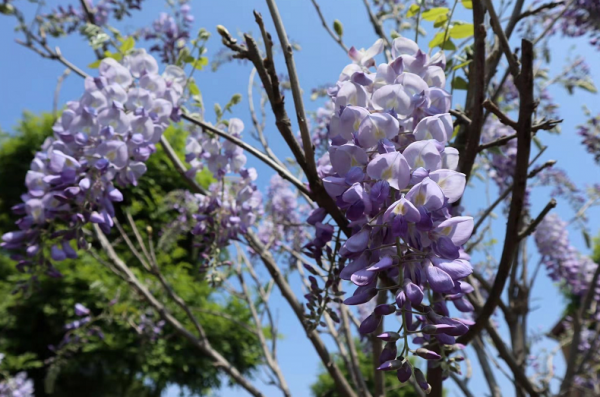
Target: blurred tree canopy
[(325, 386), (128, 361)]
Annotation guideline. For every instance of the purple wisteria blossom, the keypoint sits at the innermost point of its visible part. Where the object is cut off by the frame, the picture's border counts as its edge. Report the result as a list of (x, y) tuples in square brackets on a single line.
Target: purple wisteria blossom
[(590, 131), (66, 19), (574, 271), (100, 145), (16, 386), (565, 264), (282, 223), (390, 170), (501, 162), (170, 32)]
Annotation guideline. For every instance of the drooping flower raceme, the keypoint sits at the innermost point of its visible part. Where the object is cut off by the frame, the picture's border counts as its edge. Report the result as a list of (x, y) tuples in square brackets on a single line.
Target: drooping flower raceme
[(282, 222), (233, 205), (100, 144), (565, 264), (17, 386), (170, 32), (228, 211), (390, 170)]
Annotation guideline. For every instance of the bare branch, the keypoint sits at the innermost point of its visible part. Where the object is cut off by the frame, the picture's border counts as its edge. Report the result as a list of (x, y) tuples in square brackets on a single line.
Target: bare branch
[(531, 227), (527, 107), (284, 173), (202, 344)]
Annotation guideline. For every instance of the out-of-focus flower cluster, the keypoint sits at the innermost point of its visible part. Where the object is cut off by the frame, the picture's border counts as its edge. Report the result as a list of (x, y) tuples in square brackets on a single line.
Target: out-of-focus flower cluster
[(390, 170), (282, 223), (320, 128), (148, 326), (231, 207), (100, 143), (15, 386), (564, 262), (501, 161), (79, 332), (582, 18), (66, 19), (590, 131), (574, 271), (170, 32)]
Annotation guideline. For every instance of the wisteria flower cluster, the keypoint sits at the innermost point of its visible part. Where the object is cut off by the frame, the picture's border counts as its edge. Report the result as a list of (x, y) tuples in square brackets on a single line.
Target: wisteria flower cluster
[(502, 162), (171, 32), (590, 132), (230, 208), (228, 211), (574, 271), (390, 170), (67, 19), (282, 222), (100, 144), (16, 386), (78, 333), (564, 262)]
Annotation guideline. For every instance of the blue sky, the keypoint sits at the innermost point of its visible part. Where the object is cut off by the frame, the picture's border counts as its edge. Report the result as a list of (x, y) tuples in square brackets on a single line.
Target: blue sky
[(27, 82)]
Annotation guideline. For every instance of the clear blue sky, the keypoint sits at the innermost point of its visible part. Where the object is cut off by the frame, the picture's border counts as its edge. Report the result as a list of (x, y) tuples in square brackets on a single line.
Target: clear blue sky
[(27, 82)]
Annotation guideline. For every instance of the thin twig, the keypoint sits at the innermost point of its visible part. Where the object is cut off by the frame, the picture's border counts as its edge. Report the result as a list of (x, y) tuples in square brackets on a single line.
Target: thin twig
[(284, 173), (335, 37), (527, 107), (531, 227)]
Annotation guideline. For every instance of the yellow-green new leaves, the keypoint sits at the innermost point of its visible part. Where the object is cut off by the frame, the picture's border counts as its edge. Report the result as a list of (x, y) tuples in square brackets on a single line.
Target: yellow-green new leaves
[(462, 31), (200, 63), (193, 88), (107, 54), (468, 4), (127, 45), (413, 10), (440, 41), (434, 13)]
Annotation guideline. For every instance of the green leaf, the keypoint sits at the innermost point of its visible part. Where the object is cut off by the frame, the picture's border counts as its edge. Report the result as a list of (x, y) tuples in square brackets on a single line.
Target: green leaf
[(459, 83), (338, 27), (437, 40), (434, 13), (455, 132), (587, 85), (538, 143), (440, 21), (127, 45), (588, 240), (200, 63), (193, 88), (413, 10), (448, 45), (462, 65), (468, 4), (462, 31), (95, 65)]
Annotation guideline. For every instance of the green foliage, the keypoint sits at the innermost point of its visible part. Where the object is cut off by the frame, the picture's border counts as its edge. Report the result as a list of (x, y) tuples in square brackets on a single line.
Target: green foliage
[(124, 363), (325, 386)]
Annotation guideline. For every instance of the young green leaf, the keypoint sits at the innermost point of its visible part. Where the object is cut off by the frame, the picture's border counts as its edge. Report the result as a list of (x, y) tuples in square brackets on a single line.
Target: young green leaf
[(193, 88), (440, 21), (413, 10), (200, 63), (127, 45), (462, 31), (468, 4), (459, 83), (434, 13)]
